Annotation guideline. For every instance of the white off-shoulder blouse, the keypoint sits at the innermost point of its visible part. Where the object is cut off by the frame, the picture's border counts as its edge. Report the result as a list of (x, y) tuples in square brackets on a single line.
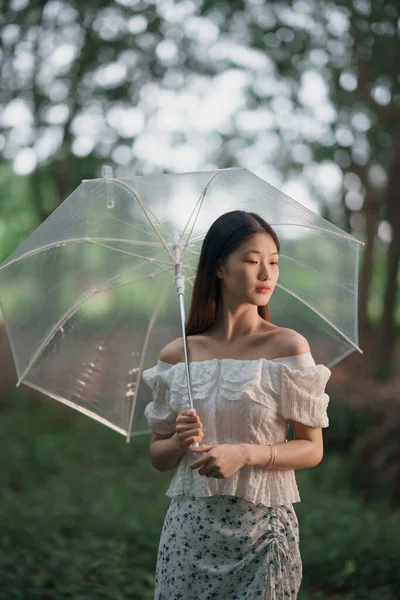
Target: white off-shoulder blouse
[(239, 401)]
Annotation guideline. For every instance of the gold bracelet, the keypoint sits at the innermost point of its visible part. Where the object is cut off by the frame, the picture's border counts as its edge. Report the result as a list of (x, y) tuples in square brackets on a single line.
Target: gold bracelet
[(272, 457)]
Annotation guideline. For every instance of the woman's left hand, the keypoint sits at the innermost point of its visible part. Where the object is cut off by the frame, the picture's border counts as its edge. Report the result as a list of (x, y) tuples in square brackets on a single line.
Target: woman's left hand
[(221, 461)]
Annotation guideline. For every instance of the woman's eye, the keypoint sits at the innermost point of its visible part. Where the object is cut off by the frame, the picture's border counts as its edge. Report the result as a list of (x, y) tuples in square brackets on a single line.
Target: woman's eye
[(255, 262)]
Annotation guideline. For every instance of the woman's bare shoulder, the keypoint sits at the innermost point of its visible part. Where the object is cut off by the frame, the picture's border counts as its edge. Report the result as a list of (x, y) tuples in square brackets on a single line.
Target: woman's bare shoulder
[(291, 342), (173, 352)]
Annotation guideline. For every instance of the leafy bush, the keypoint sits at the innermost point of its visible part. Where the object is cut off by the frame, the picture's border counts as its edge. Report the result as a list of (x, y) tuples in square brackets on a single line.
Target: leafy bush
[(367, 436), (347, 546)]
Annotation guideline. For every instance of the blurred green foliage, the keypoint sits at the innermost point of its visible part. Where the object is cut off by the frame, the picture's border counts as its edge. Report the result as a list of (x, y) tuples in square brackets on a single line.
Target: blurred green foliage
[(82, 512)]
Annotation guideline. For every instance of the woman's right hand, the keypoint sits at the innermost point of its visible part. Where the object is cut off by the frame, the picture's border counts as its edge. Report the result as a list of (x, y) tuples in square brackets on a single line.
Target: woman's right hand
[(189, 429)]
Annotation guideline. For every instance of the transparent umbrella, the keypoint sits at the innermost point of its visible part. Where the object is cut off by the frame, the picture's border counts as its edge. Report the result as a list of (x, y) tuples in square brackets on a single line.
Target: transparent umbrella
[(91, 296)]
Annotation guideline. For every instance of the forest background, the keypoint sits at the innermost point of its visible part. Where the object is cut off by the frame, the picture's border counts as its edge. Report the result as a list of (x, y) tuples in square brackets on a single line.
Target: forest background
[(306, 94)]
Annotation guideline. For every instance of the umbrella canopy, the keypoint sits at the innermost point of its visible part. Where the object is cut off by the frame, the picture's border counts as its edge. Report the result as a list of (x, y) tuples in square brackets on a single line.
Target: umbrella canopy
[(90, 297)]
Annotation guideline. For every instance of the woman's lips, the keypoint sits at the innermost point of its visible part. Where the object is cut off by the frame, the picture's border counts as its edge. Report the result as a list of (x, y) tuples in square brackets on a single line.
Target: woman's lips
[(263, 290)]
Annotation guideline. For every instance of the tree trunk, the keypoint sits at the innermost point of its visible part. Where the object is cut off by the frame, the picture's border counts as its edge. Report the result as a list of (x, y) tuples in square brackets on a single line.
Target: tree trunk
[(371, 210), (387, 337), (36, 194)]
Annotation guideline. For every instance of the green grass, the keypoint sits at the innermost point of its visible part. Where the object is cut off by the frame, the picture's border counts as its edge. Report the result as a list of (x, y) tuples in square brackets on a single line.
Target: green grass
[(81, 514)]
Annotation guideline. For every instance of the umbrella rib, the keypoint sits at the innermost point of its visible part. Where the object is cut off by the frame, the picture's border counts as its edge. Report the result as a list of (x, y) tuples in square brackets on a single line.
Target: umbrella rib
[(320, 274), (196, 252), (129, 253), (69, 241), (198, 207), (85, 296), (107, 287), (287, 198), (53, 330), (195, 239), (189, 266), (333, 233), (146, 211), (77, 407), (144, 347), (136, 227), (320, 315), (138, 242), (141, 202)]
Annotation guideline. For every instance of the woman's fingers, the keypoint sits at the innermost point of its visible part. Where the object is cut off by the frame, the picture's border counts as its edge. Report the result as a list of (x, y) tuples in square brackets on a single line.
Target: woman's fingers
[(189, 428), (186, 422)]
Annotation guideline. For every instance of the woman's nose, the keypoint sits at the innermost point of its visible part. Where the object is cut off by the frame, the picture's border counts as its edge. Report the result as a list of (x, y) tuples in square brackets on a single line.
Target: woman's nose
[(264, 273)]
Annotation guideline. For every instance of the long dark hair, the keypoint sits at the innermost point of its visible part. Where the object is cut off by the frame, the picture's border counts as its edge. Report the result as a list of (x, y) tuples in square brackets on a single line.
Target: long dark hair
[(224, 236)]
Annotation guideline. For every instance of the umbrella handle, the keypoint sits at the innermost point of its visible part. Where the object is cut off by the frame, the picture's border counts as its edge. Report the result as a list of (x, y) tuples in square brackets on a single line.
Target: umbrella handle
[(196, 444)]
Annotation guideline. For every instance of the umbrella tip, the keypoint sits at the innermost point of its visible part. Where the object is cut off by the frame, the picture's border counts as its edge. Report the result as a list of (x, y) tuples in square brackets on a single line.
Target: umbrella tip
[(107, 172)]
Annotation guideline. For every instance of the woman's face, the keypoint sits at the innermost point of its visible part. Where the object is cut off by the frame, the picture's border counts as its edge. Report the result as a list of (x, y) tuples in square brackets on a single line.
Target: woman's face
[(252, 265)]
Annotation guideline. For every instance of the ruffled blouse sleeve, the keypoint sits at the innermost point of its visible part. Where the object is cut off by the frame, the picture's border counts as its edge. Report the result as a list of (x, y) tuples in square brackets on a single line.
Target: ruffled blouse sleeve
[(303, 397), (159, 414)]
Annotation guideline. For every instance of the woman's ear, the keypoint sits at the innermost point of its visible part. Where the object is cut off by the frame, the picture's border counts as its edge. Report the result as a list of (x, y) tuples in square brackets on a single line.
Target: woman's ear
[(219, 272)]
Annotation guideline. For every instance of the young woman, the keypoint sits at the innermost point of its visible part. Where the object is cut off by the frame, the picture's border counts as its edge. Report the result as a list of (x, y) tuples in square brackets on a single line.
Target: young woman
[(230, 531)]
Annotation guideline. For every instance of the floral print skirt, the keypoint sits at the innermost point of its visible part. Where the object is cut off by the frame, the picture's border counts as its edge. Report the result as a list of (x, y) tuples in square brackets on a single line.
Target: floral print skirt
[(226, 548)]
